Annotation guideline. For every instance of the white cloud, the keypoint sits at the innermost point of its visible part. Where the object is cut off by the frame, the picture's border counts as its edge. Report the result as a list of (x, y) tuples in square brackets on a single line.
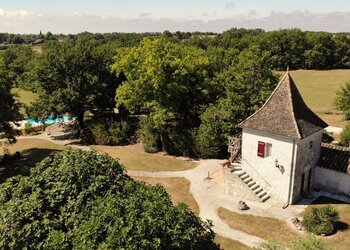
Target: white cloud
[(20, 14), (26, 22)]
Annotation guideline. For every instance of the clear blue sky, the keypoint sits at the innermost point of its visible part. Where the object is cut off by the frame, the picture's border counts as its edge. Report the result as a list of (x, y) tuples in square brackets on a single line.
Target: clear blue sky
[(177, 12)]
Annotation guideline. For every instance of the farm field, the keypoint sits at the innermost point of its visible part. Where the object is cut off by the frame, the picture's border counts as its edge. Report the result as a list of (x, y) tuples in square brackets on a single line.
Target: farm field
[(319, 88)]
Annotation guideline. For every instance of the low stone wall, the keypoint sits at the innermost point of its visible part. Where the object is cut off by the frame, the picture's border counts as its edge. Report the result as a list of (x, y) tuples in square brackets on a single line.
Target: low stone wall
[(332, 180), (234, 186)]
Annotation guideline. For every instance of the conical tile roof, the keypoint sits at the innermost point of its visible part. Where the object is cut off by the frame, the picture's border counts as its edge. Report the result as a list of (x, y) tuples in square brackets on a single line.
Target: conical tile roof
[(285, 113)]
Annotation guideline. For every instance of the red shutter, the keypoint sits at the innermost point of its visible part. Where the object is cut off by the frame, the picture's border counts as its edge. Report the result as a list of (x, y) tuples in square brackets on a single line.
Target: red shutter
[(261, 149)]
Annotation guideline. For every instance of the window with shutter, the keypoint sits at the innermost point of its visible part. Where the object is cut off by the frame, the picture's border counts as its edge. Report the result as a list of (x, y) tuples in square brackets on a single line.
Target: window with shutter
[(261, 149)]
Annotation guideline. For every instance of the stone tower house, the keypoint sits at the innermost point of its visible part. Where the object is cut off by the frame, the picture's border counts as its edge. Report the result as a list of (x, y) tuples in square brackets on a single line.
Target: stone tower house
[(281, 143)]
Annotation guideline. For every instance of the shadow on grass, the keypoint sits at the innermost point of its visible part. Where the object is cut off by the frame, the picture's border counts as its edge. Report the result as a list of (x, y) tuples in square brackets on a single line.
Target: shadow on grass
[(341, 226), (22, 166)]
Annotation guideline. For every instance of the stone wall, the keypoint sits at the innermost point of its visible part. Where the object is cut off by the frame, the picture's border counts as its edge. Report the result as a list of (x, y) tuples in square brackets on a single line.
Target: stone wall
[(332, 180), (308, 153), (274, 179), (234, 186)]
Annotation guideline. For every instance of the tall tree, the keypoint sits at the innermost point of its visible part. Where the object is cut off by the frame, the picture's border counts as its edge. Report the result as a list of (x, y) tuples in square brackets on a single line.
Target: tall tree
[(248, 82), (9, 108), (167, 81), (342, 100), (75, 77)]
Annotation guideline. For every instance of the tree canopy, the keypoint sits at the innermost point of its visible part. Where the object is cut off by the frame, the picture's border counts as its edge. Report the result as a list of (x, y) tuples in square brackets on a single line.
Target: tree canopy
[(9, 108), (342, 100), (74, 77), (83, 200)]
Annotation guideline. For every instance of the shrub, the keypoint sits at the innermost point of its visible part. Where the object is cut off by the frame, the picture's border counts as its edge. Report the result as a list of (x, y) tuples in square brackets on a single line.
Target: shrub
[(270, 245), (310, 242), (28, 129), (112, 132), (83, 200), (179, 141), (345, 137), (148, 136), (321, 220)]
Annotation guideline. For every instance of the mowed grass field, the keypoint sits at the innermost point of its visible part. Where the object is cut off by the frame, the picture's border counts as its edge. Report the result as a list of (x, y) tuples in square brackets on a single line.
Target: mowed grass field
[(24, 96), (319, 88), (134, 158)]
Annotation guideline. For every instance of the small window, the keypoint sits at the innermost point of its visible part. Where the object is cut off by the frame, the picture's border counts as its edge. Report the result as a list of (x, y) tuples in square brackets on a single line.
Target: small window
[(268, 149)]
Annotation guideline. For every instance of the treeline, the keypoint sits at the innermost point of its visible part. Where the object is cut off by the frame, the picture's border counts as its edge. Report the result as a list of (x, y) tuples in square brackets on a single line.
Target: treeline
[(291, 48)]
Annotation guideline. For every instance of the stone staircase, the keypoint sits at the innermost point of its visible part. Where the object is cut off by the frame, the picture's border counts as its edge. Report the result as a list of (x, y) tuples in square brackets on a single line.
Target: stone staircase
[(254, 186)]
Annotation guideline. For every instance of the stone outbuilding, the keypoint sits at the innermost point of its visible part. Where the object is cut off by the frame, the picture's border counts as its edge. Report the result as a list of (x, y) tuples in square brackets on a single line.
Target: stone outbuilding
[(281, 145)]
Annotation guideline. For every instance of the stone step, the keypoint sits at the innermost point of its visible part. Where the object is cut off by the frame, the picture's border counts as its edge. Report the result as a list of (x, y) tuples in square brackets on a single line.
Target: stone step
[(258, 190), (261, 194), (251, 183), (245, 176), (248, 180), (241, 173), (255, 186), (235, 170), (265, 198)]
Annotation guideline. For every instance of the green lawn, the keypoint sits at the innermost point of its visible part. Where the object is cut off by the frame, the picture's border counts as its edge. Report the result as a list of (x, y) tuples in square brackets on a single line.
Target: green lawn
[(134, 158), (264, 227), (24, 96), (319, 88)]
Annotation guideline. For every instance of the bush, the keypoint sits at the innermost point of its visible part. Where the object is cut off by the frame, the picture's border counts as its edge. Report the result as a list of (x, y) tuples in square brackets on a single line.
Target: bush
[(28, 129), (310, 243), (270, 245), (321, 221), (345, 137), (83, 200), (112, 133), (179, 141), (148, 136)]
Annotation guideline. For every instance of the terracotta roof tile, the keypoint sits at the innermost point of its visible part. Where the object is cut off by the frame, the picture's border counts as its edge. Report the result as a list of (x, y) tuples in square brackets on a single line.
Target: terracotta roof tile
[(335, 158), (285, 113)]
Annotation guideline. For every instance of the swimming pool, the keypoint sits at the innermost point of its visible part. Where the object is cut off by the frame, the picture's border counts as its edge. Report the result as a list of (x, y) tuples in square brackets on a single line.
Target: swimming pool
[(49, 120)]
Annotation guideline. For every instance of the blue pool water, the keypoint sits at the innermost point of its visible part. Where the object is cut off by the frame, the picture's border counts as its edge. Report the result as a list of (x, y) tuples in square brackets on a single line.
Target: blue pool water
[(49, 120)]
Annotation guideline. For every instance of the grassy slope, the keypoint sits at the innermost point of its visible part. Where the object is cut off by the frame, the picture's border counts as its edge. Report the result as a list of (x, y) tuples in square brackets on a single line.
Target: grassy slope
[(319, 88), (133, 158)]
